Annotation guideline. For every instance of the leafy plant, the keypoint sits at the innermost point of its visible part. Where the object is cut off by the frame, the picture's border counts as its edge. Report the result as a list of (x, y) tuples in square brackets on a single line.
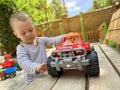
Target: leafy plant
[(8, 41), (102, 3), (40, 11)]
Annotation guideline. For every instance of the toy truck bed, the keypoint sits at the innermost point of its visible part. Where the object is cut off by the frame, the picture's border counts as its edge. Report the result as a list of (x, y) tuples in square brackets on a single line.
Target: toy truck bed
[(9, 70)]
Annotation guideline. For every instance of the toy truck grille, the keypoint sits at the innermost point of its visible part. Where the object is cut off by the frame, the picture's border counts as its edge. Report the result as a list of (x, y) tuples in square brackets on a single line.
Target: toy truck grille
[(69, 52)]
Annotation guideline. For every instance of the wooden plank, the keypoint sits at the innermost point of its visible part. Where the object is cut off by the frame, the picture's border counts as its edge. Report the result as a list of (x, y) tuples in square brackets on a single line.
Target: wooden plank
[(110, 35), (71, 80), (113, 55), (16, 83), (101, 35), (113, 36), (116, 37), (115, 25), (116, 15), (109, 79), (114, 28), (45, 82)]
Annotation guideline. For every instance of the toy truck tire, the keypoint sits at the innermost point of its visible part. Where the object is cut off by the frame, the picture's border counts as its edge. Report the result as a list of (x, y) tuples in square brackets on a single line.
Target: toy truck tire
[(12, 75), (3, 78), (94, 52), (52, 70), (93, 67), (92, 48)]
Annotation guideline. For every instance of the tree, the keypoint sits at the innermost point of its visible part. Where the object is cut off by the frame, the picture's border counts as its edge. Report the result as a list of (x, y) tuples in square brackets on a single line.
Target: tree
[(40, 11), (116, 3), (7, 39), (101, 3), (58, 9)]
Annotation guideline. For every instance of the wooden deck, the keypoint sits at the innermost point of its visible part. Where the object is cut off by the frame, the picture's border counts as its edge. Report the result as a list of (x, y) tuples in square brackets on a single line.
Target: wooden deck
[(109, 78)]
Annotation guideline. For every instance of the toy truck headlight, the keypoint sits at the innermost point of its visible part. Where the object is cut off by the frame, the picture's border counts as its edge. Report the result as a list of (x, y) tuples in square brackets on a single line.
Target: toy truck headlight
[(81, 52), (55, 54)]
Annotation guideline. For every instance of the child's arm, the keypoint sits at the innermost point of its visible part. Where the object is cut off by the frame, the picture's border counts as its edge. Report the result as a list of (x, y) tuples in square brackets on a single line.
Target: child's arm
[(52, 40), (24, 61)]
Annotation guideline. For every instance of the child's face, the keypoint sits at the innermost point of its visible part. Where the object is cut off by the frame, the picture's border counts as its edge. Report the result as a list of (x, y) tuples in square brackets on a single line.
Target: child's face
[(25, 30)]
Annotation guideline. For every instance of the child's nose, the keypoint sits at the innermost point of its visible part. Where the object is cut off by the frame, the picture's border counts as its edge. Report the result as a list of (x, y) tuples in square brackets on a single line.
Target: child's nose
[(28, 34)]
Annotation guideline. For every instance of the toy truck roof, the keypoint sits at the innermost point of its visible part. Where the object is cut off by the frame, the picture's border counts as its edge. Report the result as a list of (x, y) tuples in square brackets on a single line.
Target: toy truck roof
[(73, 36), (74, 41)]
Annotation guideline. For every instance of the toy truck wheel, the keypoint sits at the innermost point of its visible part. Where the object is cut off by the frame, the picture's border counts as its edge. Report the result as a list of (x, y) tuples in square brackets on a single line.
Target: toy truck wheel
[(12, 75), (92, 48), (94, 52), (93, 67), (3, 78), (52, 70)]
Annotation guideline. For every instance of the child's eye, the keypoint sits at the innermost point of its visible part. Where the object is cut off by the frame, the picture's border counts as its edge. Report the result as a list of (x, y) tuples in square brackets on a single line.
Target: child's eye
[(23, 33), (30, 30)]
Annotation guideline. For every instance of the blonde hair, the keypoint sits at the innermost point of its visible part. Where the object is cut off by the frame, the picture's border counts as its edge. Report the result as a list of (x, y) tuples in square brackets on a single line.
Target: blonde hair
[(19, 17)]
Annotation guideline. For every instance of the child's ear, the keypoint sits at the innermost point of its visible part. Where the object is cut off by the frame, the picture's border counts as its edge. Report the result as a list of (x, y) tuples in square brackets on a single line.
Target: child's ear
[(15, 34)]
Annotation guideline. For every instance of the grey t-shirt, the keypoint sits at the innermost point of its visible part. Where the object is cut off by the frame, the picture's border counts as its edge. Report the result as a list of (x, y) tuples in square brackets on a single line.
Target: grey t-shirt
[(29, 56)]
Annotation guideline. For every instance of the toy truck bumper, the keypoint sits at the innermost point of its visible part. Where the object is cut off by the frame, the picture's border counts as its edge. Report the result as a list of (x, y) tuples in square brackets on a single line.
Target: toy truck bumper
[(79, 62)]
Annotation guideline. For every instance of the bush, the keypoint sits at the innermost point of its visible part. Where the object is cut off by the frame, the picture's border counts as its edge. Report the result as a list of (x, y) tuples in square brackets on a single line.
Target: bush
[(8, 41)]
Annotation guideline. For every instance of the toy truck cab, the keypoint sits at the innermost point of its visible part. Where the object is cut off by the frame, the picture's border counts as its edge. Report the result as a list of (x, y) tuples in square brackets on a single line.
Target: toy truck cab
[(74, 41), (73, 53), (7, 62)]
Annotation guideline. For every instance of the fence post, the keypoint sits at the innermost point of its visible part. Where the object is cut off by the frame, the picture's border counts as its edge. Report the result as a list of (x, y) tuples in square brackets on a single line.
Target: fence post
[(61, 28), (82, 26), (64, 22)]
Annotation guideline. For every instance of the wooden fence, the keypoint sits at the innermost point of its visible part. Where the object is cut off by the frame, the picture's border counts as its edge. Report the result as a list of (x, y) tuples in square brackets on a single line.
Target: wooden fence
[(113, 33), (92, 36), (72, 24)]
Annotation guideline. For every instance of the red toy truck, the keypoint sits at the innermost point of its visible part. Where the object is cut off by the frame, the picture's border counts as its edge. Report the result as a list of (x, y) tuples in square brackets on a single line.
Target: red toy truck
[(73, 53), (8, 62)]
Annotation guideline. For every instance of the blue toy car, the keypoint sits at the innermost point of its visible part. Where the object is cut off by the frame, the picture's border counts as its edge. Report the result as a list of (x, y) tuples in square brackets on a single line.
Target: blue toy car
[(9, 72)]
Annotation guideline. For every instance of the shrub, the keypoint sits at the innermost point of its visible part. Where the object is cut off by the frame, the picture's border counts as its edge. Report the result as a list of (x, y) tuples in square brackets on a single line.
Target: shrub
[(8, 41)]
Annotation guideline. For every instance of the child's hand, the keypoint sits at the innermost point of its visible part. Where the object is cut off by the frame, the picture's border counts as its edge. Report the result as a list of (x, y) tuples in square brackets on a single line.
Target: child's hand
[(41, 68)]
